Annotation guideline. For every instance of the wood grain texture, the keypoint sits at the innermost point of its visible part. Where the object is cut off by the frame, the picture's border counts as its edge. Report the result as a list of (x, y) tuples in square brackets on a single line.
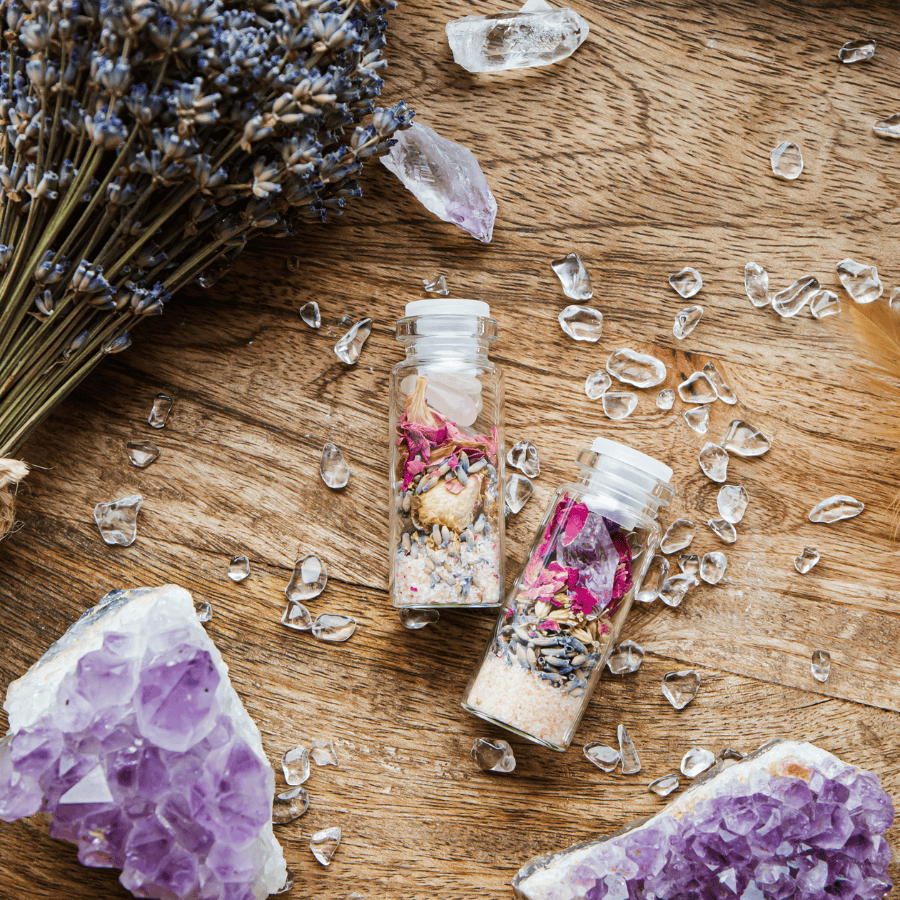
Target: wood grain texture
[(646, 151)]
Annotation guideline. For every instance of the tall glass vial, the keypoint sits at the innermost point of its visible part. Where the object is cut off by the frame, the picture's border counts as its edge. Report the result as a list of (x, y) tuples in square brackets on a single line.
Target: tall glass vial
[(446, 426), (567, 605)]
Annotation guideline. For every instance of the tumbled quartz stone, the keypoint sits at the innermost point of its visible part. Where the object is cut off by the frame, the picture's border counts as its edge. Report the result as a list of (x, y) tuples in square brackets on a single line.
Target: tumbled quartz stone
[(128, 734), (824, 303), (308, 579), (596, 384), (679, 688), (414, 619), (574, 277), (686, 283), (712, 567), (889, 127), (723, 530), (493, 755), (696, 761), (159, 412), (310, 314), (523, 455), (686, 321), (714, 462), (756, 284), (582, 323), (297, 617), (639, 369), (665, 399), (295, 765), (515, 40), (204, 611), (350, 345), (519, 489), (791, 300), (675, 589), (117, 520), (806, 560), (437, 285), (602, 756), (723, 391), (697, 389), (732, 502), (857, 51), (665, 785), (334, 628), (324, 844), (141, 453), (631, 763), (333, 468), (820, 664), (787, 161), (689, 563), (860, 281), (833, 509), (678, 536), (744, 439), (323, 752), (654, 578), (289, 805), (619, 404), (698, 418), (625, 658), (238, 568), (445, 178)]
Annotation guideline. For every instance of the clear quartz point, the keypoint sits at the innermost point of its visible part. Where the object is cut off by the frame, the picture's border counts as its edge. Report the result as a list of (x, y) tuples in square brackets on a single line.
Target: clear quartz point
[(582, 323), (860, 281), (310, 314), (654, 578), (833, 509), (791, 300), (289, 805), (756, 284), (523, 455), (732, 502), (238, 568), (686, 283), (723, 530), (639, 369), (437, 285), (665, 399), (665, 785), (679, 688), (597, 384), (625, 658), (806, 560), (744, 439), (696, 761), (519, 489), (574, 277), (689, 563), (414, 619), (697, 389), (323, 753), (824, 303), (334, 627), (308, 579), (333, 468), (350, 345), (324, 844), (295, 765), (675, 589), (698, 418), (142, 453), (631, 762), (159, 412), (117, 520), (712, 567), (787, 161), (204, 611), (619, 404), (493, 755), (857, 51), (297, 617), (723, 391), (714, 462), (889, 127), (686, 321), (821, 665), (678, 536), (602, 756)]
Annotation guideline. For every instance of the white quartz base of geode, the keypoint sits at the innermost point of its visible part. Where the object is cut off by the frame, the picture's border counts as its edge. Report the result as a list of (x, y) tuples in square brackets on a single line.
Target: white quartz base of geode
[(841, 811), (138, 762)]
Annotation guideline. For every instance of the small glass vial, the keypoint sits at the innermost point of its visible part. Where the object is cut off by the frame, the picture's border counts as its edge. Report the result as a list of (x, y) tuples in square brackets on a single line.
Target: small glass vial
[(447, 454), (567, 605)]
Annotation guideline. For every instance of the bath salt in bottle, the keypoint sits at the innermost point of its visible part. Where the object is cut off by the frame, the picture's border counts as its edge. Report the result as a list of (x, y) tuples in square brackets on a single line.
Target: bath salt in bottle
[(447, 454), (567, 605)]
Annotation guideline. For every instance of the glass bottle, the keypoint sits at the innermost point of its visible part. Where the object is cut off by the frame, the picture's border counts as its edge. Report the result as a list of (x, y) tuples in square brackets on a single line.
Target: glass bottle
[(566, 607), (447, 454)]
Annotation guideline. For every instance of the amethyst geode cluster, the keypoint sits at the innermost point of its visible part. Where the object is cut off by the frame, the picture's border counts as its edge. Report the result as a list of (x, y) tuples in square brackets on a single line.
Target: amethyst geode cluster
[(791, 821), (128, 733)]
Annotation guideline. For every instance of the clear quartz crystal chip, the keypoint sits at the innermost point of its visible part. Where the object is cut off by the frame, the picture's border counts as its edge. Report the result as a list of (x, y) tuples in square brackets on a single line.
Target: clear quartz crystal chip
[(806, 560), (204, 611), (159, 412), (582, 323), (573, 276), (289, 805), (833, 509), (493, 755), (414, 619), (238, 568), (723, 530), (437, 285), (333, 468), (678, 536), (686, 321), (619, 404), (324, 844), (310, 314), (117, 520), (791, 300), (333, 627), (744, 439), (142, 453), (889, 127), (295, 765), (625, 658), (519, 489), (308, 579), (894, 302), (732, 502), (697, 389), (665, 785), (713, 566), (756, 284), (730, 753), (821, 665), (297, 617), (824, 303), (665, 399), (687, 282), (323, 753), (857, 51), (639, 369), (631, 762), (675, 589), (350, 345), (523, 456), (787, 161), (689, 563), (654, 578), (679, 688), (597, 384), (723, 391), (698, 418), (602, 756), (860, 281), (714, 462), (287, 886), (696, 761)]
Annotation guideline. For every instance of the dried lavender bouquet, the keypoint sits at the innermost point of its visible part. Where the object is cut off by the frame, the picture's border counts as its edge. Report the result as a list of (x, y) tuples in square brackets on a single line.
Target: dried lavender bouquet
[(143, 143)]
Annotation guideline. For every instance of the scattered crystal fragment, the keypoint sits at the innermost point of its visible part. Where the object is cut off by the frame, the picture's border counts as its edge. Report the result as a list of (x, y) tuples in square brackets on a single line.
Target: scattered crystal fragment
[(619, 404), (596, 384), (833, 509), (732, 502), (756, 284), (583, 323), (857, 51), (678, 535), (323, 752), (523, 456), (639, 369), (697, 389), (333, 468), (437, 286), (894, 302), (791, 300), (821, 665), (679, 688), (744, 439), (332, 627), (574, 278), (713, 566), (698, 418), (602, 756), (238, 568), (295, 765), (310, 314), (445, 178), (324, 843), (787, 161), (675, 589), (665, 399), (625, 658), (665, 785), (860, 281), (519, 489), (289, 805), (729, 753), (159, 412), (287, 886), (723, 391), (714, 462), (696, 761), (117, 520), (414, 619), (631, 763), (515, 40), (723, 530), (689, 563), (806, 560), (350, 345), (204, 611), (141, 453), (297, 617), (824, 303), (889, 127), (308, 579), (687, 282), (654, 578), (493, 755), (686, 321)]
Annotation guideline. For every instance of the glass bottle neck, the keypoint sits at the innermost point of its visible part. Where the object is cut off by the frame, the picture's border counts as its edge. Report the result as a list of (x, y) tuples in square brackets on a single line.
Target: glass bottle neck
[(446, 338)]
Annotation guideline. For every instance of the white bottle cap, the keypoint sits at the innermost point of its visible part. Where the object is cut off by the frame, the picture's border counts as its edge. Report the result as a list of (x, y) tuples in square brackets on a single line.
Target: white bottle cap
[(626, 454), (448, 306)]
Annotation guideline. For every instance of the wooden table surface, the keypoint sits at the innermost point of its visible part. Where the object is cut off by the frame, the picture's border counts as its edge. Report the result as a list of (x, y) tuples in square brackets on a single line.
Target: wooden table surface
[(646, 151)]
